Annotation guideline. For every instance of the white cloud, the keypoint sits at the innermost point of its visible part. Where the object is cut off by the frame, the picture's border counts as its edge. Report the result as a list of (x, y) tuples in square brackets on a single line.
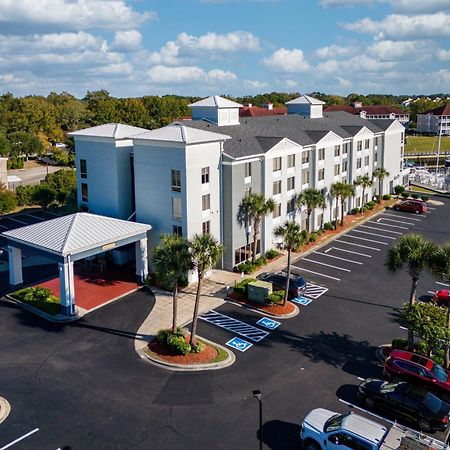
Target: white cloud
[(399, 50), (287, 61), (21, 16), (443, 55), (188, 74), (127, 40), (255, 85), (290, 83), (333, 51), (343, 83), (404, 6), (401, 26)]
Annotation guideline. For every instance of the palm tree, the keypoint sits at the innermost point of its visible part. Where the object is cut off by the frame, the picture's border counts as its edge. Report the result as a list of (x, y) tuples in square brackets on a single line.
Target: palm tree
[(346, 190), (441, 269), (292, 239), (365, 182), (323, 205), (205, 252), (172, 260), (335, 190), (312, 198), (414, 253), (253, 208), (380, 173)]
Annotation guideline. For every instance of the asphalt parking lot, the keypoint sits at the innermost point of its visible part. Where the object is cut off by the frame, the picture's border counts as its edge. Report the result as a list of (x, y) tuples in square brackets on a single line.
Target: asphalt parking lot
[(82, 386)]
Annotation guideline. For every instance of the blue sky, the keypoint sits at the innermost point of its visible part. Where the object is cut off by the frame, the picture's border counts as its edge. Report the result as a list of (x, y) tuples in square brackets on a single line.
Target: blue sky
[(237, 47)]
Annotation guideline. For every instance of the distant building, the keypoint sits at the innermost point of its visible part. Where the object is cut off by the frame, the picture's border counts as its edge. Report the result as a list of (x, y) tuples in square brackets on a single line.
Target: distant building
[(435, 121), (256, 111)]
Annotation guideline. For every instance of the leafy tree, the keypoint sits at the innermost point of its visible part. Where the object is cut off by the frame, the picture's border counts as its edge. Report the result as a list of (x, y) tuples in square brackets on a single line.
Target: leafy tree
[(5, 146), (312, 198), (44, 195), (24, 195), (101, 107), (172, 260), (24, 143), (292, 239), (380, 173), (132, 111), (415, 254), (335, 192), (8, 201), (205, 253), (346, 191), (365, 182), (253, 208)]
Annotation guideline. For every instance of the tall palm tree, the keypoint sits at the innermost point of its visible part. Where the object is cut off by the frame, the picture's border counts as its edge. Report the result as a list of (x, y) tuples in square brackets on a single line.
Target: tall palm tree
[(253, 208), (172, 260), (380, 173), (441, 269), (416, 254), (365, 182), (205, 252), (323, 205), (335, 190), (292, 239), (346, 191), (312, 198)]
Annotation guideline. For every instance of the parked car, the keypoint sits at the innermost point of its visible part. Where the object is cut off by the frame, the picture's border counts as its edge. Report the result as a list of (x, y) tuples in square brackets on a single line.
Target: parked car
[(297, 284), (415, 206), (419, 370), (442, 297), (404, 400)]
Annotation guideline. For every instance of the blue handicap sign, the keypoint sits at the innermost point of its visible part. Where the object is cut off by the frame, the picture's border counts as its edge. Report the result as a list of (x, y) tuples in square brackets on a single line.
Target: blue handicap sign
[(268, 323), (301, 300), (239, 344)]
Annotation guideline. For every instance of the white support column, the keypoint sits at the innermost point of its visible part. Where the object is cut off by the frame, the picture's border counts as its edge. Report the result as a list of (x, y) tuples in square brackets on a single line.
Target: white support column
[(141, 260), (66, 288), (15, 265)]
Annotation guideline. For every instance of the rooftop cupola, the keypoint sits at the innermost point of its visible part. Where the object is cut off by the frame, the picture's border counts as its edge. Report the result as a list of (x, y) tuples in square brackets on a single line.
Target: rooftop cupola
[(215, 109), (306, 106)]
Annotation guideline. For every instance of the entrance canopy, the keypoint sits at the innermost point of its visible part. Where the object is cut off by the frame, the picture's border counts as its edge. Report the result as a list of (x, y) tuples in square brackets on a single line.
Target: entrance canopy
[(71, 238)]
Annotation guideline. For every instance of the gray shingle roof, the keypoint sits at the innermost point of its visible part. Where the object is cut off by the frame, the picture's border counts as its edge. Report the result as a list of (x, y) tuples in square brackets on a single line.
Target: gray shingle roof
[(246, 138)]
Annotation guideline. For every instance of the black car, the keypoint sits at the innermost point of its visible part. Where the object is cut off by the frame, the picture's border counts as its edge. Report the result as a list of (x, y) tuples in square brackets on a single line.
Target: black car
[(297, 284), (405, 401)]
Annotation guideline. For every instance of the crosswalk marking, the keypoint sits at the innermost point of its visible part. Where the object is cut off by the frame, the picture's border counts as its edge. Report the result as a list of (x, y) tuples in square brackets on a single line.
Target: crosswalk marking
[(234, 325), (314, 291)]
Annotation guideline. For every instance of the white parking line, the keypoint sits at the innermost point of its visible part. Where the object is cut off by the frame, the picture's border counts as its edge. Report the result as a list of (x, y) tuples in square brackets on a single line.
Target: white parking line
[(358, 245), (374, 234), (35, 217), (442, 284), (337, 257), (369, 240), (18, 221), (349, 251), (431, 292), (3, 226), (380, 229), (413, 219), (54, 214), (389, 225), (431, 209), (311, 271), (21, 438), (324, 264)]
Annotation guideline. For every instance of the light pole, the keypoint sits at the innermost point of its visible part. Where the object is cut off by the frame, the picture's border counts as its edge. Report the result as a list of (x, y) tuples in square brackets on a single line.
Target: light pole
[(258, 396)]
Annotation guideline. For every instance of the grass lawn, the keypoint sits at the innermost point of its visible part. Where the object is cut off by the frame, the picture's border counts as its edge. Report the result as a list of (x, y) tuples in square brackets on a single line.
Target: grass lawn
[(424, 144)]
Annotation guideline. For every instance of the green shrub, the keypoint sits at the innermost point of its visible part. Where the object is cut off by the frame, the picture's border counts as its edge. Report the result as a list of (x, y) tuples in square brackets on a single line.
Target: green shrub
[(404, 195), (439, 357), (246, 267), (368, 206), (386, 197), (399, 189), (15, 163), (241, 287), (8, 201), (261, 261), (313, 237), (163, 335), (178, 344), (371, 203), (304, 235), (40, 298), (415, 196), (273, 299), (272, 253), (328, 226), (354, 211), (425, 198), (399, 344), (364, 209), (421, 348), (24, 195), (198, 347)]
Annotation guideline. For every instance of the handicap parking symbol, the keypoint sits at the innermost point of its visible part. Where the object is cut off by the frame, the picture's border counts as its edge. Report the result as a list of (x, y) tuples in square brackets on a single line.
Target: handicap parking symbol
[(301, 300), (268, 323), (239, 344)]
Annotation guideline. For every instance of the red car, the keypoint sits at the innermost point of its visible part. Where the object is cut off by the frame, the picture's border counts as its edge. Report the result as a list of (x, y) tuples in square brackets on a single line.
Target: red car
[(415, 206), (417, 369), (441, 297)]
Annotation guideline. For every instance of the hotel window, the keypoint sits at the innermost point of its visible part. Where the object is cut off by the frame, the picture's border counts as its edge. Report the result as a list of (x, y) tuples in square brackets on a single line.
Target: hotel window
[(291, 161), (277, 164), (205, 175), (375, 142), (366, 161), (176, 181), (248, 170), (291, 183), (176, 208), (337, 169), (337, 150), (206, 227), (375, 157), (305, 157), (277, 210), (290, 206), (367, 143), (206, 202), (359, 146), (83, 168), (321, 175), (84, 192), (358, 163), (321, 154), (177, 230), (305, 177), (344, 166), (276, 187), (345, 148)]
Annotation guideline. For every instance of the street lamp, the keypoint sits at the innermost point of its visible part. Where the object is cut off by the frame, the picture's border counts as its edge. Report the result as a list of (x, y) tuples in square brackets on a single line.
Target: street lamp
[(258, 396)]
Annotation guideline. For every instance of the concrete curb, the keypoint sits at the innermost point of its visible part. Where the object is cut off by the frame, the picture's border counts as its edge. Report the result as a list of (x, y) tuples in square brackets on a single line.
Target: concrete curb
[(193, 367), (5, 409), (294, 313), (379, 352)]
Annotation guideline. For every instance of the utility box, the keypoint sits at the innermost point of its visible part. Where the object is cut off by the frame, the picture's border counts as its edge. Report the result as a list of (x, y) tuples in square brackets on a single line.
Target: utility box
[(257, 291)]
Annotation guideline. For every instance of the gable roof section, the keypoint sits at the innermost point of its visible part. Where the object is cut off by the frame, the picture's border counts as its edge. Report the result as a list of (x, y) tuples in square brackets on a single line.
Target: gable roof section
[(75, 233), (216, 101), (316, 135), (305, 99), (109, 130), (440, 111), (267, 142), (177, 132)]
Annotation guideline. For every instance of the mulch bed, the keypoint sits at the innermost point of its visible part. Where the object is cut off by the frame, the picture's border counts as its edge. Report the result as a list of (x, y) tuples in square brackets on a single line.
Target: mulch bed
[(276, 310), (162, 351)]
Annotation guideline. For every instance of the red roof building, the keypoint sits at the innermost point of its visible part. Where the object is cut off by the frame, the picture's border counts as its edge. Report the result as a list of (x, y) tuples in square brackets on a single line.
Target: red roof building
[(436, 121), (256, 111)]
